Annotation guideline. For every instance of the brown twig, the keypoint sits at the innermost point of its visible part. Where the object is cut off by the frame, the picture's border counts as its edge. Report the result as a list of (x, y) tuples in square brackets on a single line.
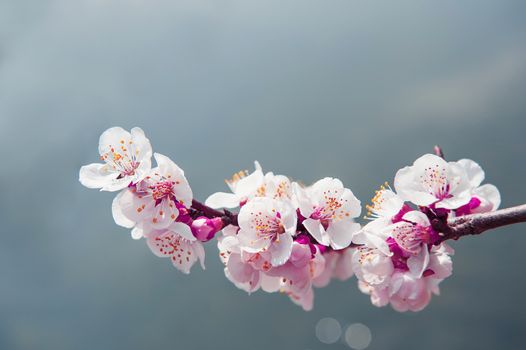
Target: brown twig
[(451, 229), (477, 223), (225, 215)]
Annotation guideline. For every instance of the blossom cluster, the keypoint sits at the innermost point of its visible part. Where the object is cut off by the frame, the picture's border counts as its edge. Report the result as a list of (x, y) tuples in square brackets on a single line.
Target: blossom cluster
[(402, 259), (155, 203), (288, 237)]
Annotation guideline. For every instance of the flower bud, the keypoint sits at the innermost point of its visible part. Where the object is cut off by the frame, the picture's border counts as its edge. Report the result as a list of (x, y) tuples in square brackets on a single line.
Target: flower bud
[(204, 229)]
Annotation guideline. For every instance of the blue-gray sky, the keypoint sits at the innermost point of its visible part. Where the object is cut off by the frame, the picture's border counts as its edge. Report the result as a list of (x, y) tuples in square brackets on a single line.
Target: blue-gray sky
[(345, 88)]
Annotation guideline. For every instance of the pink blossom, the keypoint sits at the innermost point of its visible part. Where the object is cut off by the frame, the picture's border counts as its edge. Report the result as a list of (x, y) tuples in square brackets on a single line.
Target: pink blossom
[(177, 243), (338, 264), (157, 201), (329, 209), (126, 157), (432, 180), (267, 225)]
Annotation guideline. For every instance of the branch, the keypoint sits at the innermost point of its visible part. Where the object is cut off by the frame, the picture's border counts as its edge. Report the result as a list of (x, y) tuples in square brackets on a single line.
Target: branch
[(477, 223), (451, 229), (225, 215)]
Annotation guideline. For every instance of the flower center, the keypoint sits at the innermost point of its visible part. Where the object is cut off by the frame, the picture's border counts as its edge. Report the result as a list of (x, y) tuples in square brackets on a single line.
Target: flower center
[(268, 227), (122, 158), (330, 210), (436, 181), (162, 190)]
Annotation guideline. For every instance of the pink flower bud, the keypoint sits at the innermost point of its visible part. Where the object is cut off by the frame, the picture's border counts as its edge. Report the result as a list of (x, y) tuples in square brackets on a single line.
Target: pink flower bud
[(204, 229)]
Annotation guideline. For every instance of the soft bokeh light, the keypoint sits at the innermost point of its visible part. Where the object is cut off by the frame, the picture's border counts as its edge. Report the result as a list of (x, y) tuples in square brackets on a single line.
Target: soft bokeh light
[(358, 336), (328, 330)]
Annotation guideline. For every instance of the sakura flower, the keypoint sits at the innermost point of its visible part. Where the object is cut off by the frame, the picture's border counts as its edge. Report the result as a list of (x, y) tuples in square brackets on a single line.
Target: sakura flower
[(126, 156), (406, 291), (242, 274), (412, 235), (244, 270), (157, 201), (329, 209), (432, 180), (410, 292), (484, 198), (386, 207), (267, 225), (295, 278), (372, 265), (338, 264), (386, 204), (177, 243), (245, 186)]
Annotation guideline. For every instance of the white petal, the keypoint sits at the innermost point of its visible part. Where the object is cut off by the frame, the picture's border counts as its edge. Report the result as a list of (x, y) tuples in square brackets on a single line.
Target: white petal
[(391, 204), (246, 186), (418, 263), (454, 202), (111, 138), (97, 175), (222, 200), (230, 230), (200, 253), (117, 211), (409, 189), (351, 203), (474, 171), (137, 233), (303, 201), (241, 272), (373, 241), (280, 250), (183, 230), (270, 284), (341, 233), (117, 184), (489, 196), (335, 186), (142, 145), (317, 231), (417, 217)]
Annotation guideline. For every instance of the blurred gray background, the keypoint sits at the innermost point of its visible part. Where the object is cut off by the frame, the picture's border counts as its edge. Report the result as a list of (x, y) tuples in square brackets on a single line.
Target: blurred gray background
[(344, 88)]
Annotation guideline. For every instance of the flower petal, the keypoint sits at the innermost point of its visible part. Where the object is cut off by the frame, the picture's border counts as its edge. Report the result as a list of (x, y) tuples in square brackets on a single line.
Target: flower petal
[(474, 171), (418, 263), (222, 200), (280, 249), (97, 175), (417, 217), (183, 230), (317, 231), (117, 212), (341, 233)]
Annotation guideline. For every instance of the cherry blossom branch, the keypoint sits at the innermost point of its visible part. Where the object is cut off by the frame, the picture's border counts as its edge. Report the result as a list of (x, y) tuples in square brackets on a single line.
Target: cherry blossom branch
[(294, 237), (449, 229), (478, 223)]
